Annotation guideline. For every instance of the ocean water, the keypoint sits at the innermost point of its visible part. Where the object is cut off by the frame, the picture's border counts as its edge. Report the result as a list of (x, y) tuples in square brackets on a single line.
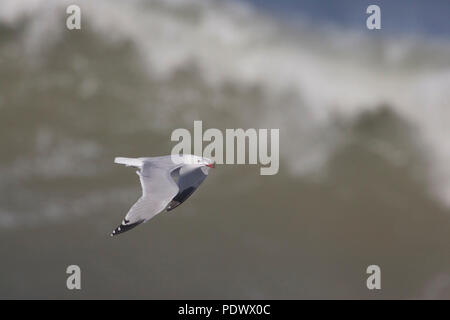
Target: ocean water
[(364, 121)]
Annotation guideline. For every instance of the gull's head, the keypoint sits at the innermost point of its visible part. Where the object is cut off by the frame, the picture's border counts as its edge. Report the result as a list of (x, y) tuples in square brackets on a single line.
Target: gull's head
[(197, 161)]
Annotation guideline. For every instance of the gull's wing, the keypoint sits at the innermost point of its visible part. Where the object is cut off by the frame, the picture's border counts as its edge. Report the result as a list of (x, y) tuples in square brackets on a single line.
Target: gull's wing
[(158, 189), (188, 182)]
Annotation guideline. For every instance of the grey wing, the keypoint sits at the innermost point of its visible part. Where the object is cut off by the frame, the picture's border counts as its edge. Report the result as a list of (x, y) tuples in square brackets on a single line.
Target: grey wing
[(158, 189), (188, 182)]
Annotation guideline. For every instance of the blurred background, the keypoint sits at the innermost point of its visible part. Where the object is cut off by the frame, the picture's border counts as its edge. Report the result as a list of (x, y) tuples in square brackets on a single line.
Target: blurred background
[(364, 119)]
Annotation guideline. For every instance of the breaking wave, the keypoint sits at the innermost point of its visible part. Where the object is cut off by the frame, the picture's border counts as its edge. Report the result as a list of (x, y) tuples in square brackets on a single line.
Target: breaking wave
[(159, 65)]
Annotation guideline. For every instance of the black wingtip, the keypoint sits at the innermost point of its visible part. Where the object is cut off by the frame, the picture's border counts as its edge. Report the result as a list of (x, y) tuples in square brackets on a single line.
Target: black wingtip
[(180, 198), (125, 226)]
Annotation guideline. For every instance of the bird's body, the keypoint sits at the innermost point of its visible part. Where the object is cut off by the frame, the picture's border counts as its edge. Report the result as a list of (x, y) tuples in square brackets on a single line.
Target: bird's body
[(160, 191)]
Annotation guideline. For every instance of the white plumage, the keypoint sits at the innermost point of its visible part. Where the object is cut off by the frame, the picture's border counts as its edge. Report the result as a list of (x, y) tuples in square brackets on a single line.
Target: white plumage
[(159, 189)]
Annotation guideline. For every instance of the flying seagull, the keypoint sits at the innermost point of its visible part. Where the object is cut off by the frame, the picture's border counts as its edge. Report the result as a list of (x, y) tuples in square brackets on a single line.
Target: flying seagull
[(166, 182)]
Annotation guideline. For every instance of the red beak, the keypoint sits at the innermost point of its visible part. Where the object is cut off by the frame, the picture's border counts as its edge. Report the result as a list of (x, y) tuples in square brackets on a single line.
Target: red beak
[(211, 165)]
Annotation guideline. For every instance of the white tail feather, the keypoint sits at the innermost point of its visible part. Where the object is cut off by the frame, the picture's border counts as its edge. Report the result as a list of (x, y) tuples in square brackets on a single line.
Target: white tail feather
[(134, 162)]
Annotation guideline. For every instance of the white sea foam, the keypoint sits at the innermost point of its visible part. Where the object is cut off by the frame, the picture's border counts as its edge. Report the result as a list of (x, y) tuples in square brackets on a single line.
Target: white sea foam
[(326, 73)]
